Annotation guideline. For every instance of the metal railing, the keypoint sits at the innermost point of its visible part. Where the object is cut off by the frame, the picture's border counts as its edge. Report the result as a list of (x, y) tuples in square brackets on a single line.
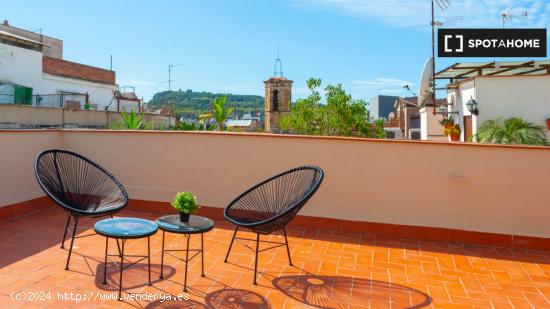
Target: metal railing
[(61, 100)]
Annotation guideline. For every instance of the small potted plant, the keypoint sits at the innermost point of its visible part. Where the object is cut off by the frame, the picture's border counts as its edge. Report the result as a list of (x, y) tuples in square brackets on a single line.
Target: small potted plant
[(186, 204), (453, 132)]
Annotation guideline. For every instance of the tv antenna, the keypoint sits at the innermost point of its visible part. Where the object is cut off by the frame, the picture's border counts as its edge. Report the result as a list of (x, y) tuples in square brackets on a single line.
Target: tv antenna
[(449, 21), (170, 80), (278, 67), (443, 5), (508, 17)]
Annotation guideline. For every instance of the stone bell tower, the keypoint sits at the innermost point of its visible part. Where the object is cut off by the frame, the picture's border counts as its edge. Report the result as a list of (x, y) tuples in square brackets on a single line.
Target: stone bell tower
[(278, 95)]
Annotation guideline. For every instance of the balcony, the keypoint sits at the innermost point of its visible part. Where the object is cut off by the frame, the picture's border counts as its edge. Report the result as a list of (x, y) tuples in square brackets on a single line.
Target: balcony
[(396, 224)]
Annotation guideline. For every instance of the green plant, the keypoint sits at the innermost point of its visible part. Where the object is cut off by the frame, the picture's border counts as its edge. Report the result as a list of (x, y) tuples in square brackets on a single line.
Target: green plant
[(185, 202), (380, 132), (131, 121), (219, 112), (184, 126), (447, 121), (511, 131), (341, 115)]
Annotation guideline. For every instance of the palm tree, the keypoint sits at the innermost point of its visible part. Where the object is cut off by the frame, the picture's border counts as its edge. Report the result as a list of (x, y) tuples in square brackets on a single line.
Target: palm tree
[(219, 112), (511, 131)]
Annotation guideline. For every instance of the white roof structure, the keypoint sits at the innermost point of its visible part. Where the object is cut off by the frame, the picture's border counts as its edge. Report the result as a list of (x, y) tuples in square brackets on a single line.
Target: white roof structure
[(238, 123), (18, 37)]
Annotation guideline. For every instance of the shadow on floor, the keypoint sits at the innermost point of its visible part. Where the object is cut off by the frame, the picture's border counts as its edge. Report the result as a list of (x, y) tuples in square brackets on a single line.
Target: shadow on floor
[(236, 298), (344, 292), (133, 277), (226, 298), (368, 239), (175, 304)]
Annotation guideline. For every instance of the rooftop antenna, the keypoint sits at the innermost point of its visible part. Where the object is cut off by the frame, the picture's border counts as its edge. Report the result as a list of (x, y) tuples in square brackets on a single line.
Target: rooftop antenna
[(443, 5), (278, 67), (170, 80), (508, 17)]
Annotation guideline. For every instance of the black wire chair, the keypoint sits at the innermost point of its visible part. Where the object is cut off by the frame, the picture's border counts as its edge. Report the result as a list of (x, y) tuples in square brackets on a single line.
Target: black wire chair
[(80, 186), (272, 204)]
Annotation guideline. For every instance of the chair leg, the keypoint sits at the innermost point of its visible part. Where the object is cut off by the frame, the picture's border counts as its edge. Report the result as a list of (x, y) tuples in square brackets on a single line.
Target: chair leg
[(231, 244), (65, 232), (72, 242), (256, 260), (287, 248)]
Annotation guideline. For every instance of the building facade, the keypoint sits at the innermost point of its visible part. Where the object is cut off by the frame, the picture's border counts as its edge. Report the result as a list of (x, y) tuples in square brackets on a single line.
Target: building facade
[(500, 90), (381, 106), (33, 72)]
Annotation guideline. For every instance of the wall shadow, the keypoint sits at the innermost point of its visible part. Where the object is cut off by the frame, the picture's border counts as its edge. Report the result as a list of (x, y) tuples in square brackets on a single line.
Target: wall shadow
[(344, 292), (412, 243), (39, 230)]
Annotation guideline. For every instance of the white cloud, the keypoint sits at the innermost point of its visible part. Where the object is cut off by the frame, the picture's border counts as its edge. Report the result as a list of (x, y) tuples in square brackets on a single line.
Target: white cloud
[(416, 13), (381, 82), (142, 83), (382, 85)]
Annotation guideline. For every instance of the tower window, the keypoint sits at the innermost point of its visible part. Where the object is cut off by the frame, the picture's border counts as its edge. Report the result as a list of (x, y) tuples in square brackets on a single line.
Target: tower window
[(275, 100)]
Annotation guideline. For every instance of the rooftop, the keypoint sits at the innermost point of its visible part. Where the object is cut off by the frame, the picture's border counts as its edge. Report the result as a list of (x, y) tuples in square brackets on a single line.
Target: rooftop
[(70, 69), (332, 269)]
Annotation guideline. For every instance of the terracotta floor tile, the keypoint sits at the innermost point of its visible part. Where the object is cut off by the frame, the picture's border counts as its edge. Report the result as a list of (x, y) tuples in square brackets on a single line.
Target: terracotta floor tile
[(332, 269)]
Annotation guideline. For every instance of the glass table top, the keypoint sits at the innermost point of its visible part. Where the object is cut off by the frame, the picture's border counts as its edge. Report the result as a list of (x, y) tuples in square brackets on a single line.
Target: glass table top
[(126, 227), (196, 224)]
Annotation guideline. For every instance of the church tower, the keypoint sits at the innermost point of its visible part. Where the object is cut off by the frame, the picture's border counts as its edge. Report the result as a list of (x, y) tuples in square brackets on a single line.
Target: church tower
[(278, 95)]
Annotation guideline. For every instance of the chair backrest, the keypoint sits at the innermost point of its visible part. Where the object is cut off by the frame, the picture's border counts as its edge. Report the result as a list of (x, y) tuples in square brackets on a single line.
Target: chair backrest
[(77, 183), (284, 193)]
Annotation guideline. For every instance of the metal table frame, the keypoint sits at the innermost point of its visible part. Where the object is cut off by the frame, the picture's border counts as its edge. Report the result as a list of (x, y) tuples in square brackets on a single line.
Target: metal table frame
[(171, 224), (187, 258), (121, 256)]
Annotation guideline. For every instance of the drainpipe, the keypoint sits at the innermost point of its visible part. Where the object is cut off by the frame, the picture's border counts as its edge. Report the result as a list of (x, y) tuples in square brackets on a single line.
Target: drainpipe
[(62, 110)]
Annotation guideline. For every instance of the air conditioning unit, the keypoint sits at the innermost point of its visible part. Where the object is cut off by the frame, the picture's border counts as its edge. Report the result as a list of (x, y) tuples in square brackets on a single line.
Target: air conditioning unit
[(393, 133), (415, 134)]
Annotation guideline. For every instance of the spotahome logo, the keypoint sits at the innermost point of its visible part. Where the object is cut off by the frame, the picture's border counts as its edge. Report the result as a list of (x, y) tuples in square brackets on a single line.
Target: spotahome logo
[(491, 42)]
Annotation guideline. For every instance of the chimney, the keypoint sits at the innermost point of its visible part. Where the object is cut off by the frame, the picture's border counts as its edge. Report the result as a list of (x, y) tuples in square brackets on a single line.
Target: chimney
[(5, 22)]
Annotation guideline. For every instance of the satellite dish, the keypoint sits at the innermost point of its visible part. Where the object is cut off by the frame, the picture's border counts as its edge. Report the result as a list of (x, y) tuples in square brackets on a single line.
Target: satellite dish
[(424, 92)]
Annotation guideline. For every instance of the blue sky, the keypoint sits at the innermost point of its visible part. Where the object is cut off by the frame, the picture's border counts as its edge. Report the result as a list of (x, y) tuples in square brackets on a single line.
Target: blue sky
[(372, 47)]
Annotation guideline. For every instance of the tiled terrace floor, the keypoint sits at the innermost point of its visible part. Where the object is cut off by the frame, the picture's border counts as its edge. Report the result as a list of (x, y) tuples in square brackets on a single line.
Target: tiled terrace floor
[(332, 270)]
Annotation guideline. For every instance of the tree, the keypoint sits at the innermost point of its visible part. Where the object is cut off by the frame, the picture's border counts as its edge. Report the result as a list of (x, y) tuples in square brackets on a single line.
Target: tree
[(340, 116), (219, 112), (511, 131)]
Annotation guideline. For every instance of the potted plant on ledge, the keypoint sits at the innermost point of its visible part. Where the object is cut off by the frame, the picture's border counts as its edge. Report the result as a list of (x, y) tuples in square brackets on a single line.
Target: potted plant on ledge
[(454, 132), (186, 204)]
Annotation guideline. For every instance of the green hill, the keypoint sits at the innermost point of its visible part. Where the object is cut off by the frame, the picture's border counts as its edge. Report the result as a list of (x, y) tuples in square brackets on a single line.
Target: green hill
[(190, 104)]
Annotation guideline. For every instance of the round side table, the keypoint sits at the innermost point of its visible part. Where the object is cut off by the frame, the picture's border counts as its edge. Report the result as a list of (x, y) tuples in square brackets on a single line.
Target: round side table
[(196, 225), (123, 229)]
